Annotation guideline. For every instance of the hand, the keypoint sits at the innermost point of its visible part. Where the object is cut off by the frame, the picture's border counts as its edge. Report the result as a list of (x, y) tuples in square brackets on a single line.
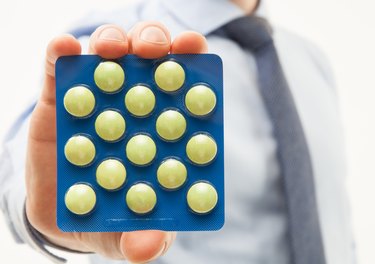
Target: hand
[(146, 39)]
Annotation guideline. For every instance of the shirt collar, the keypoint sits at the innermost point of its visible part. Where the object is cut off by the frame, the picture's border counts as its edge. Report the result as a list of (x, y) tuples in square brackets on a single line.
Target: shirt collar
[(205, 16)]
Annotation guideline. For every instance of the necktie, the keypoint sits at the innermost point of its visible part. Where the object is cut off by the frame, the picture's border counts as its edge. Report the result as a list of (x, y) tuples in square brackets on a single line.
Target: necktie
[(254, 33)]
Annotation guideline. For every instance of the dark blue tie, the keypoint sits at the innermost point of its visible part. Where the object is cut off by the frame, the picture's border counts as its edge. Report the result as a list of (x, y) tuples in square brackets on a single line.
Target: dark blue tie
[(255, 34)]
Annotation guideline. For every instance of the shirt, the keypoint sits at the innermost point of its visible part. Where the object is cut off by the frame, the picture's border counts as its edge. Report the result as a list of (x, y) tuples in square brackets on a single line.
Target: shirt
[(256, 220)]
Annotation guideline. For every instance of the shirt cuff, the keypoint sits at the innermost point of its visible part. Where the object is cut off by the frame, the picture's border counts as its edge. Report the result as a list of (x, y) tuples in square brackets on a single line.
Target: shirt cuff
[(23, 231), (42, 240), (37, 241)]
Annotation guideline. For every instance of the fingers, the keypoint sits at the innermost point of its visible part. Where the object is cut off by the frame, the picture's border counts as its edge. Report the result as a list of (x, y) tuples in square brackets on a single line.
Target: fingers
[(149, 40), (189, 42), (145, 246), (146, 39), (109, 41), (152, 40), (63, 45)]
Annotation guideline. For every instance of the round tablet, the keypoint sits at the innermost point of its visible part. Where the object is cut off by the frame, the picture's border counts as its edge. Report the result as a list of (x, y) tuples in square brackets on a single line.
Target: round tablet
[(79, 150), (171, 174), (109, 76), (80, 199), (141, 198), (171, 125), (79, 101), (201, 149), (200, 100), (169, 76), (140, 101), (110, 125), (111, 174), (141, 150), (202, 198)]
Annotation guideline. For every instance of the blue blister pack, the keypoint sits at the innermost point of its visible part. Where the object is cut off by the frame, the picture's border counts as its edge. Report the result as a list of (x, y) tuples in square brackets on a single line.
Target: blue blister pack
[(140, 143)]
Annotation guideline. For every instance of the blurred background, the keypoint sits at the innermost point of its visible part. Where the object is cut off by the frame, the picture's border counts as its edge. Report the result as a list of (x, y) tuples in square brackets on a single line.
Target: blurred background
[(344, 29)]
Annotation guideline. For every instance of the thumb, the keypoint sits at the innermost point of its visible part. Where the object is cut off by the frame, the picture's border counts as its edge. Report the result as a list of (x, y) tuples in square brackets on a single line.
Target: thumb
[(145, 246)]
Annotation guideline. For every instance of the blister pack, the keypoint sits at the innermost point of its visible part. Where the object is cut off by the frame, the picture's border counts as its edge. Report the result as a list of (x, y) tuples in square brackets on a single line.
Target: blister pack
[(140, 143)]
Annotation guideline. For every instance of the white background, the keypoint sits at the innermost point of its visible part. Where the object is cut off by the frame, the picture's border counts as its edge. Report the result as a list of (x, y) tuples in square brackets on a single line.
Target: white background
[(344, 29)]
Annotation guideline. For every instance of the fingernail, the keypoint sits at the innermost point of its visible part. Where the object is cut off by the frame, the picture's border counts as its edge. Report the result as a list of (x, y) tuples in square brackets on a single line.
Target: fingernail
[(160, 253), (164, 248), (153, 35), (111, 34)]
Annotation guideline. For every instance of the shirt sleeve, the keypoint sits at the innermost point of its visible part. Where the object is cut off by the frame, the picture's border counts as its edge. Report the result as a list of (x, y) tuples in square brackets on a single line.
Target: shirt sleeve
[(322, 62), (12, 187)]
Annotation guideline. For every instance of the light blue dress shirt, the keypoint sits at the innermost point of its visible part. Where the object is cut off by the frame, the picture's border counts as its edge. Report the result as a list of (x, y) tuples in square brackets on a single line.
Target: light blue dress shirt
[(255, 229)]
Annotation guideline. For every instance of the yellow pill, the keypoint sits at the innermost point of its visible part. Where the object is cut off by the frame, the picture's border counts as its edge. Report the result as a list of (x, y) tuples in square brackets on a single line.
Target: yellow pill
[(110, 125), (109, 76), (169, 76), (200, 100), (201, 149), (80, 199), (111, 174), (171, 125), (140, 101), (79, 101), (141, 198), (141, 150), (79, 150), (171, 174), (202, 198)]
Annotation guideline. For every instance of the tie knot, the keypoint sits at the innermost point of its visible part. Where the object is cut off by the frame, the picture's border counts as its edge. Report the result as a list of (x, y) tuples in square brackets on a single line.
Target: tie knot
[(251, 32)]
